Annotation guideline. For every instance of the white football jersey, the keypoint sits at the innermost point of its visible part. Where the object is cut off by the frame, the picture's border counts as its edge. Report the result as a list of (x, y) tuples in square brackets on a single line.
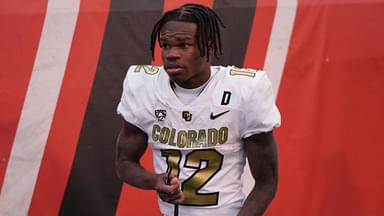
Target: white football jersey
[(201, 143)]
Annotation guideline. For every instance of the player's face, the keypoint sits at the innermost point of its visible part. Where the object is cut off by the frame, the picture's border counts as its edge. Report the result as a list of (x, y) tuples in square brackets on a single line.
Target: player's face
[(181, 57)]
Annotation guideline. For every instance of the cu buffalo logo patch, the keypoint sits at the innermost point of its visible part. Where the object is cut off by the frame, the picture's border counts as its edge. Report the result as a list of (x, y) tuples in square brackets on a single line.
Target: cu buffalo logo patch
[(187, 116)]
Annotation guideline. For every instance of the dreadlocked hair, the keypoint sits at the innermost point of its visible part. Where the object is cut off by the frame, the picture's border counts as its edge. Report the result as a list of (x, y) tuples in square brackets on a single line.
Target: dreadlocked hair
[(208, 28)]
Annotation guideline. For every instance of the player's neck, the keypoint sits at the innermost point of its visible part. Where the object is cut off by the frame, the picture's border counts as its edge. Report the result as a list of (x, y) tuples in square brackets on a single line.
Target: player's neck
[(187, 95)]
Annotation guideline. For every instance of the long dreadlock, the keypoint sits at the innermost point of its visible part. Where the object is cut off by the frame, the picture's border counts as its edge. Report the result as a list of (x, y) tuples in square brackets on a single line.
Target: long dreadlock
[(208, 27)]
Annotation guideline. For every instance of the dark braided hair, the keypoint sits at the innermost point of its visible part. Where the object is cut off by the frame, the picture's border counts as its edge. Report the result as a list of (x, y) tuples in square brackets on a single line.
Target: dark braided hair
[(207, 21)]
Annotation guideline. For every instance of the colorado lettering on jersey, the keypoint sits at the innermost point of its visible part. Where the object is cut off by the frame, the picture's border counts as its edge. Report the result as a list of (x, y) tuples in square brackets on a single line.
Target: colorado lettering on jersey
[(189, 138)]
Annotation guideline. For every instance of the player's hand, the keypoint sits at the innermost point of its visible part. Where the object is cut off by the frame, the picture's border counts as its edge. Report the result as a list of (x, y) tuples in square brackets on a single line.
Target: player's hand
[(169, 189)]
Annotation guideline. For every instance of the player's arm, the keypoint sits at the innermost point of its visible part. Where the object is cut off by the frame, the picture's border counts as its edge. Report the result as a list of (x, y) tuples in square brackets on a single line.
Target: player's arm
[(131, 145), (261, 151)]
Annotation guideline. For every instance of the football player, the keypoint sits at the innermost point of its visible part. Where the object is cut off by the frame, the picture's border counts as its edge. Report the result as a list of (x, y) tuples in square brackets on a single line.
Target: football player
[(201, 121)]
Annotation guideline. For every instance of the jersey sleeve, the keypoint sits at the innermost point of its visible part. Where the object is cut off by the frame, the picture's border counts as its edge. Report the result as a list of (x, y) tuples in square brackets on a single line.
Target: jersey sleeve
[(260, 113), (130, 103)]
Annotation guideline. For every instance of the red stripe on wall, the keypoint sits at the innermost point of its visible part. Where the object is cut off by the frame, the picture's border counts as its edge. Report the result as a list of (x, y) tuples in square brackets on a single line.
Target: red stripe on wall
[(71, 106), (331, 98), (21, 24), (135, 201), (260, 34)]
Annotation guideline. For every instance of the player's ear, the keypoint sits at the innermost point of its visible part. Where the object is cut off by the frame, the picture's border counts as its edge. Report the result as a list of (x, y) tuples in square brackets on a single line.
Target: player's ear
[(210, 50), (210, 46)]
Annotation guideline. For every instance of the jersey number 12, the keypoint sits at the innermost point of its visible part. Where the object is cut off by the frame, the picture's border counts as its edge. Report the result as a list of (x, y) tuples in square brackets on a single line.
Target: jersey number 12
[(191, 186)]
